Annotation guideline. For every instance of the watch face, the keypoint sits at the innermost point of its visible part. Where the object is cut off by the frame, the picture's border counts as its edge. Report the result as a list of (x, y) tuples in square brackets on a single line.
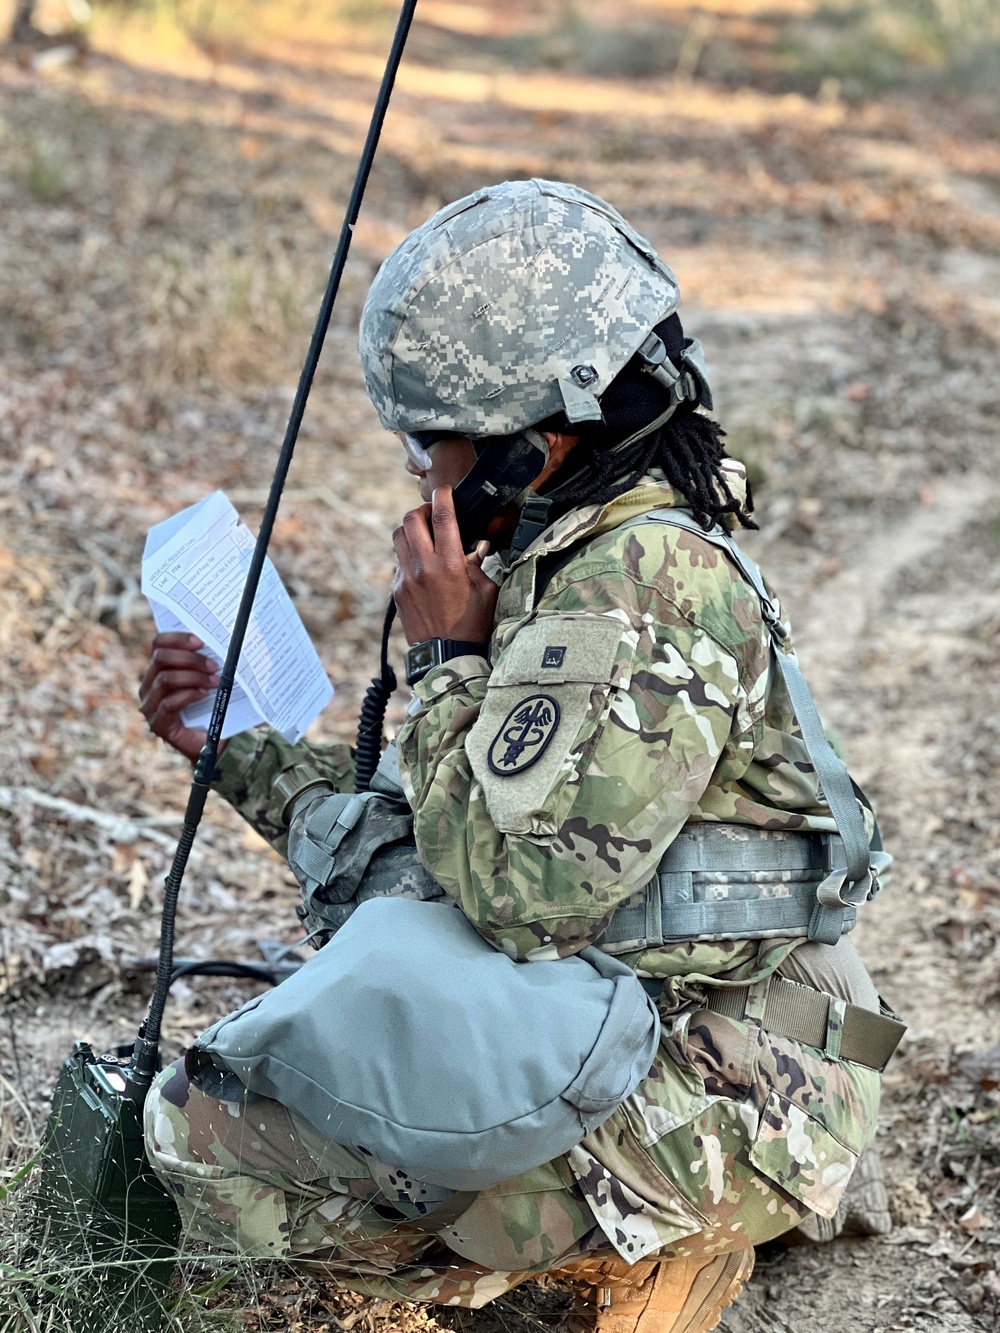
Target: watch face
[(421, 657)]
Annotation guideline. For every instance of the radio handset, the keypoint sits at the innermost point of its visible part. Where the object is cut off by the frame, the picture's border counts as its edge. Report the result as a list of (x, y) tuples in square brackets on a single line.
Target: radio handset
[(505, 466)]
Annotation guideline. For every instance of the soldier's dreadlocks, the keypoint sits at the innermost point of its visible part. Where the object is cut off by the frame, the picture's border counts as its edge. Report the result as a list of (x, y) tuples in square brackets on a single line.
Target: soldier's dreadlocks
[(688, 450)]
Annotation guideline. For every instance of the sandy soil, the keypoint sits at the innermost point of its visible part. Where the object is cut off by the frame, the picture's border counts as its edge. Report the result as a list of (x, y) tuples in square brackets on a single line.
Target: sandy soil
[(168, 212)]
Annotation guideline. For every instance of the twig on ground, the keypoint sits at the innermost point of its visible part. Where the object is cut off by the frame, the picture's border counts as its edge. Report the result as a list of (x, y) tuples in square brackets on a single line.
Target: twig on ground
[(119, 827)]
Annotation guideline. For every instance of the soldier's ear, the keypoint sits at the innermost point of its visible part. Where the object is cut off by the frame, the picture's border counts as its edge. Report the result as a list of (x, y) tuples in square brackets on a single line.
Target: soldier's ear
[(560, 446)]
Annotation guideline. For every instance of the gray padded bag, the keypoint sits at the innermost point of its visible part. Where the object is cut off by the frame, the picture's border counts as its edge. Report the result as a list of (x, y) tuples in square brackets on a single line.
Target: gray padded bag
[(411, 1037)]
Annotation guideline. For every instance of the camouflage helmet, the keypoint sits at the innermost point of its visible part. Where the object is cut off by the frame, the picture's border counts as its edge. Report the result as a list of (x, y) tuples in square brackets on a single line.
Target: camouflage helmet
[(520, 301)]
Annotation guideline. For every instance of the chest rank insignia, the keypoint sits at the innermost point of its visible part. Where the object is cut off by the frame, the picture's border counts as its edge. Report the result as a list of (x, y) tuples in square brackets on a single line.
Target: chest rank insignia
[(524, 735), (553, 657)]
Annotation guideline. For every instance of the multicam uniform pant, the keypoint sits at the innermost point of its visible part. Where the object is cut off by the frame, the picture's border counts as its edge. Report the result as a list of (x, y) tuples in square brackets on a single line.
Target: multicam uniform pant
[(669, 1173)]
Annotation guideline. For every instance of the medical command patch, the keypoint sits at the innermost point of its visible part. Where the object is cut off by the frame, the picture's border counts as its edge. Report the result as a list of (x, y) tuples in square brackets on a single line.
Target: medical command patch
[(524, 735)]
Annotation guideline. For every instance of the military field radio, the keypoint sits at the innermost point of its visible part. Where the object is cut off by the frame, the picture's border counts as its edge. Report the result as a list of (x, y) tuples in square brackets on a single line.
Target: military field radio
[(106, 1227)]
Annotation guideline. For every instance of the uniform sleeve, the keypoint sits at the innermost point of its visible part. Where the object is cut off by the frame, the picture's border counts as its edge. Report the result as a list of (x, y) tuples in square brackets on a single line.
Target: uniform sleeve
[(253, 759), (545, 793)]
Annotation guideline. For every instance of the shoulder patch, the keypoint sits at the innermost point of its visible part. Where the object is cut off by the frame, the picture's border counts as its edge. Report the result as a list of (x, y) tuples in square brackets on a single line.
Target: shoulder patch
[(524, 735)]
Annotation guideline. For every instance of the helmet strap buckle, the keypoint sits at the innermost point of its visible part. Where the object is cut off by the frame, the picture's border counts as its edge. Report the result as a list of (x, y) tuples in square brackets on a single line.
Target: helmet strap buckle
[(533, 522), (653, 356), (689, 384), (658, 365)]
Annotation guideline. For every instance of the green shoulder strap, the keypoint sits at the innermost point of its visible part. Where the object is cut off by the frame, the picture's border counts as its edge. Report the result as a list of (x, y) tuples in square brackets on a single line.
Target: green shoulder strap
[(851, 884)]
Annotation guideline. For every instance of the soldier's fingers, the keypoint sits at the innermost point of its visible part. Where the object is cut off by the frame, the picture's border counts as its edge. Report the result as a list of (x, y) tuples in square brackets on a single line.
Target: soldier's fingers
[(401, 545), (475, 558), (175, 639), (447, 541), (172, 704), (168, 683), (167, 659), (416, 525), (185, 658), (175, 649)]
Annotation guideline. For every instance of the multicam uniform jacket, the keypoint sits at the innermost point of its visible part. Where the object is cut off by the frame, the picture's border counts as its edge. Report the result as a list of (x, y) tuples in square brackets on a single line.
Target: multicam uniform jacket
[(630, 694)]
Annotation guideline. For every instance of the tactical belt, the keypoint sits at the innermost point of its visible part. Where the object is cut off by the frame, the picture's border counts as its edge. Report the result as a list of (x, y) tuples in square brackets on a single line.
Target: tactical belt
[(803, 1014), (729, 881)]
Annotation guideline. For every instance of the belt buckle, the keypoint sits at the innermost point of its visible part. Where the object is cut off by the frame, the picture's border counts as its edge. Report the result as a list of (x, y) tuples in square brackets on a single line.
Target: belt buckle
[(830, 892)]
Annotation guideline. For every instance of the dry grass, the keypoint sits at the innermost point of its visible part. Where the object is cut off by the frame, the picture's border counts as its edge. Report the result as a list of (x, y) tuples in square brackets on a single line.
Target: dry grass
[(869, 46), (169, 209)]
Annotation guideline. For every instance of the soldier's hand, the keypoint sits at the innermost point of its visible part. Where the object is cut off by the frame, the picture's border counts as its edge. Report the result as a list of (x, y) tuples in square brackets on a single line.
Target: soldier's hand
[(177, 675), (440, 592)]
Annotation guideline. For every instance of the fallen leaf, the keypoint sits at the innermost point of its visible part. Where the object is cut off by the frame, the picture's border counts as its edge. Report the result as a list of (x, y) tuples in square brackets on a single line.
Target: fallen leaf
[(122, 858), (138, 883), (46, 761), (974, 1220)]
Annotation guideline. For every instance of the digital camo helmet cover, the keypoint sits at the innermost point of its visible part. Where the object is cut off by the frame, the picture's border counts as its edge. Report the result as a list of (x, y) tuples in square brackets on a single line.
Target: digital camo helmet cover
[(517, 302)]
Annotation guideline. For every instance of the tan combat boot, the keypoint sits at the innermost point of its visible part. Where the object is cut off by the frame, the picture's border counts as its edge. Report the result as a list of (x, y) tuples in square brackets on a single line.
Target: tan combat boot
[(665, 1295)]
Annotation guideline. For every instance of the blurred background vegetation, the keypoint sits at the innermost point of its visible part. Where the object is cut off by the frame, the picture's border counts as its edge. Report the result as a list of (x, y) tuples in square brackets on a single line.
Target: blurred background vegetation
[(854, 48)]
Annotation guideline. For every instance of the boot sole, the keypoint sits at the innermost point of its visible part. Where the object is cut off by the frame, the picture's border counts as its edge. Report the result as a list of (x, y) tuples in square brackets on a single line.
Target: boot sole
[(713, 1290)]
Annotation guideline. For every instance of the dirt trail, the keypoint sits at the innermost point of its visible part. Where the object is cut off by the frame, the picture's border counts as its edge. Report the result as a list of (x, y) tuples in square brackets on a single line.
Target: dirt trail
[(167, 213), (842, 631)]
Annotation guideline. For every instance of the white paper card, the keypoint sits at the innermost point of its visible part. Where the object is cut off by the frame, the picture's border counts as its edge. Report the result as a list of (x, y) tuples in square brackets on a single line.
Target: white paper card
[(193, 569)]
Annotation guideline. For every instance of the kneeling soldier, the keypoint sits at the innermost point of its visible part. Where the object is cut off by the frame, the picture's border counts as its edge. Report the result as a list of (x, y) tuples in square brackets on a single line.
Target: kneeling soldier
[(599, 751)]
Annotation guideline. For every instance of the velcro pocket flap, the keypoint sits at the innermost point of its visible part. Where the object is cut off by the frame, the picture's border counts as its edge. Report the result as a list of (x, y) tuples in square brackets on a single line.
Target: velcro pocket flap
[(556, 650), (802, 1156)]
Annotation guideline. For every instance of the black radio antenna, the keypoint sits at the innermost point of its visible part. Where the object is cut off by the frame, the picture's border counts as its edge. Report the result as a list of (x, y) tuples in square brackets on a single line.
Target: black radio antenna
[(147, 1046)]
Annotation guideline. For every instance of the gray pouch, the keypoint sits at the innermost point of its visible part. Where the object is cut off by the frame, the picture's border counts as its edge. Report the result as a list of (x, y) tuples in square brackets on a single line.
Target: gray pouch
[(346, 849)]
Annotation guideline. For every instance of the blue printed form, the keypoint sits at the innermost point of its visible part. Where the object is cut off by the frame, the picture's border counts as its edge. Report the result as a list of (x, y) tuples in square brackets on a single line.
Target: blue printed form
[(193, 570)]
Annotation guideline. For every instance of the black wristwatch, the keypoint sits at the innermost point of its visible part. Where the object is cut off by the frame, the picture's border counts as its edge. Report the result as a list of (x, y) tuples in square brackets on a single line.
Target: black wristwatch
[(432, 652)]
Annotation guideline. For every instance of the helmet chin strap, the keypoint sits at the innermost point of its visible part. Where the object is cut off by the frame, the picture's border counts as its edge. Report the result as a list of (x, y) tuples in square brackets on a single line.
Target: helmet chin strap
[(504, 469), (506, 465)]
